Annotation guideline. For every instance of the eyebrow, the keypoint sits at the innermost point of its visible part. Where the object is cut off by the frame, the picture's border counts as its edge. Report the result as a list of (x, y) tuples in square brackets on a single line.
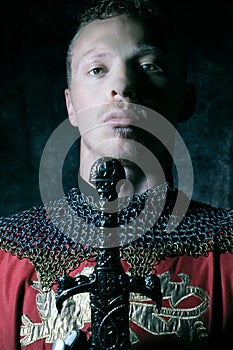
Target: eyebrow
[(146, 49), (141, 50), (96, 53)]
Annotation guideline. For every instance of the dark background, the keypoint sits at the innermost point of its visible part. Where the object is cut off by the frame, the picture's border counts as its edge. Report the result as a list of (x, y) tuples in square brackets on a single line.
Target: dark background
[(34, 40)]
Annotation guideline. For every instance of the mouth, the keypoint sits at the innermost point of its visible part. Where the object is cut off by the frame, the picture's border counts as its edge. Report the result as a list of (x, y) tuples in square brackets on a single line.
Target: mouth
[(120, 118)]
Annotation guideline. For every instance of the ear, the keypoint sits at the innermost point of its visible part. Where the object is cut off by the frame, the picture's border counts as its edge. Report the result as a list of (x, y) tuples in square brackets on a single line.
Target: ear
[(70, 108), (190, 99)]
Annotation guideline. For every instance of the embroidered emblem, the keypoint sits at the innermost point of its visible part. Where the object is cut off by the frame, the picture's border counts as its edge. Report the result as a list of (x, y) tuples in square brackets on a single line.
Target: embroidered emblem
[(75, 314), (176, 316)]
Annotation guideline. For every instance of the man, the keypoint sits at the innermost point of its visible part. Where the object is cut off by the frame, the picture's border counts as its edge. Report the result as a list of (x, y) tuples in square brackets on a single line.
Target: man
[(127, 75)]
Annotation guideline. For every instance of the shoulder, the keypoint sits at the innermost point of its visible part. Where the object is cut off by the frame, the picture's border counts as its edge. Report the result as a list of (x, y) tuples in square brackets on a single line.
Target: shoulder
[(211, 225), (42, 235), (210, 215), (18, 230)]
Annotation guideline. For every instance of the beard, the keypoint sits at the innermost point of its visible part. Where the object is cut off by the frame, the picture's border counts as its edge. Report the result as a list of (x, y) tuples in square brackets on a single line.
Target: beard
[(119, 145), (124, 132)]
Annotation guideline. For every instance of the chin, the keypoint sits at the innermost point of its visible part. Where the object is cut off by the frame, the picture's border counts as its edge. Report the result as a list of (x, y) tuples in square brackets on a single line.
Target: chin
[(119, 148)]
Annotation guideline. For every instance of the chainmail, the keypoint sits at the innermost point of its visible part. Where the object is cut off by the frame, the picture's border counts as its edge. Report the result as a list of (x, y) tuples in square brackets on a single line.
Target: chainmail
[(59, 236)]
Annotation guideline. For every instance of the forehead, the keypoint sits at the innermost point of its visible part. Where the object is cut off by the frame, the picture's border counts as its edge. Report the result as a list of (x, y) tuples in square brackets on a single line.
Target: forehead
[(119, 34)]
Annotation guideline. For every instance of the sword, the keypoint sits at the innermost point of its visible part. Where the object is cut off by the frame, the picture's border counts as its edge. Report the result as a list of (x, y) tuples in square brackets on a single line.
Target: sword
[(109, 286)]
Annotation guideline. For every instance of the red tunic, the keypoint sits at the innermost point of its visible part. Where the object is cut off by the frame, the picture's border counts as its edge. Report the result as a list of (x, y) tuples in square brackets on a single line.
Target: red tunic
[(197, 302)]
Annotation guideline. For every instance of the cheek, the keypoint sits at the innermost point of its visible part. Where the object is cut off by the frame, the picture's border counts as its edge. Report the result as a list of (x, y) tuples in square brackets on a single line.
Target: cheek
[(86, 95), (88, 117), (171, 100), (80, 97)]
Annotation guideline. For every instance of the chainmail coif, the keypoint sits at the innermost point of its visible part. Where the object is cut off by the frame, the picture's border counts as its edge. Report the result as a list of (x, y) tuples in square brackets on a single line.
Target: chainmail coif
[(59, 236)]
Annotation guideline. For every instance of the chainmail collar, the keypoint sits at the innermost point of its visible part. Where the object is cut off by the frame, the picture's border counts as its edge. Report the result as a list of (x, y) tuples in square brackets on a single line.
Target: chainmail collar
[(60, 235)]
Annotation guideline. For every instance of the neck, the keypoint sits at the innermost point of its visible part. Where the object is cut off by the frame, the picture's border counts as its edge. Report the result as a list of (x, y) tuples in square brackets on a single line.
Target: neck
[(136, 181)]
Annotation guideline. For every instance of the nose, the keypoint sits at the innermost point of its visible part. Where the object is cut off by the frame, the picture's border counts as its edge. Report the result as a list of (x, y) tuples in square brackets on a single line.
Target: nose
[(125, 95), (122, 87)]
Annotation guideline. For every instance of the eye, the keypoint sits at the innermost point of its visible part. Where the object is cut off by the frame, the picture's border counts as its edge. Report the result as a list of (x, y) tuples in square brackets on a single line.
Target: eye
[(97, 71), (150, 67)]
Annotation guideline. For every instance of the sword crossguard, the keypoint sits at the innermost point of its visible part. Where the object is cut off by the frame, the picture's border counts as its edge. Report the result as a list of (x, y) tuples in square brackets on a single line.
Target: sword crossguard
[(148, 286)]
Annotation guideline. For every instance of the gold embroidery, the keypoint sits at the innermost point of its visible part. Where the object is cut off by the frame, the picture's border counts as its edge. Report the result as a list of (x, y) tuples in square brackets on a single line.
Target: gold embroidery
[(76, 313), (173, 319)]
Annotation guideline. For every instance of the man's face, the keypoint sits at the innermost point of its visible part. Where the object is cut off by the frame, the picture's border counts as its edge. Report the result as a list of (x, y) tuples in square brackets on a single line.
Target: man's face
[(116, 64)]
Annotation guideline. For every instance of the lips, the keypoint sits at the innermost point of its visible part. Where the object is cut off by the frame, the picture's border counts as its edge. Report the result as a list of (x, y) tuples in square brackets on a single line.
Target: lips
[(120, 118)]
